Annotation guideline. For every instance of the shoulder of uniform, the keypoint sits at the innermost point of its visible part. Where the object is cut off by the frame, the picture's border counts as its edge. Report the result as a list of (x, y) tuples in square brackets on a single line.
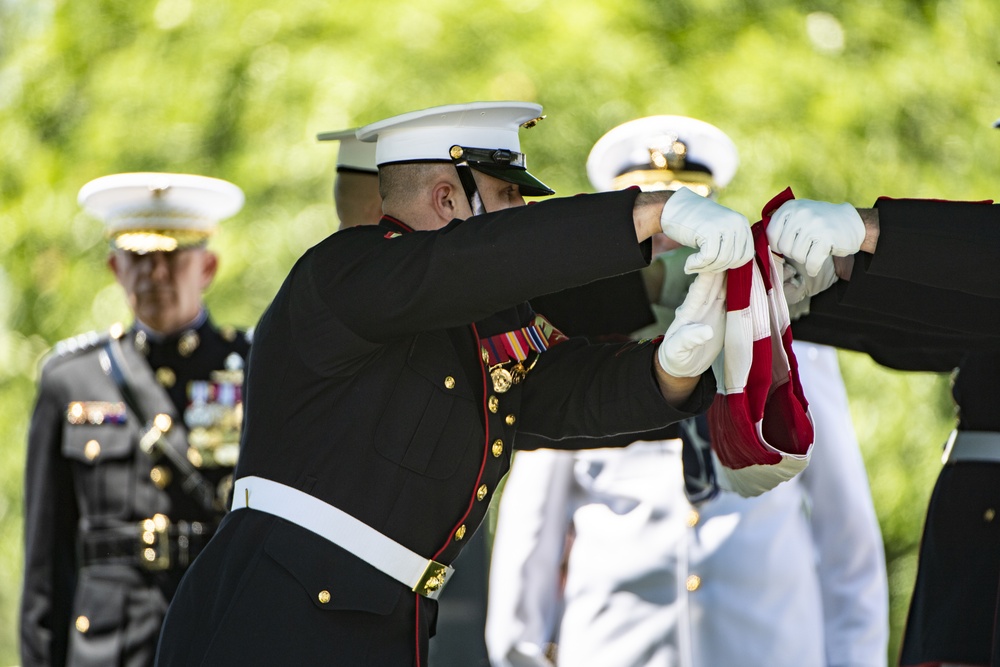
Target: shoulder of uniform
[(85, 341), (82, 343)]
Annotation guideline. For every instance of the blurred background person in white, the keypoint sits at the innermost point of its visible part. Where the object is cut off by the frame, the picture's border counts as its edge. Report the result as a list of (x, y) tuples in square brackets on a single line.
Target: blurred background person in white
[(601, 557)]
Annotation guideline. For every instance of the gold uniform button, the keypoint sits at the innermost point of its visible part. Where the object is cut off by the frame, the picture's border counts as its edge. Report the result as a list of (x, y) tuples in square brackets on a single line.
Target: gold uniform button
[(160, 477), (449, 382), (323, 597), (693, 518), (460, 533), (92, 450), (510, 420), (989, 515), (166, 377), (481, 492), (493, 403), (692, 583), (188, 343), (497, 448), (82, 624)]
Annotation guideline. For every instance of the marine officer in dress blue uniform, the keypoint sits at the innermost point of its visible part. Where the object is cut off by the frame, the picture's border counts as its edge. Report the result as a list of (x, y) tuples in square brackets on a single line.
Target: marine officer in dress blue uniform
[(134, 434), (462, 607), (394, 371)]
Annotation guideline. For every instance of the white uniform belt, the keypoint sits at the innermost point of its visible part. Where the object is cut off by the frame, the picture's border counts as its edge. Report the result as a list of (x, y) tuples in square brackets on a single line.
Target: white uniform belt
[(422, 575), (972, 446)]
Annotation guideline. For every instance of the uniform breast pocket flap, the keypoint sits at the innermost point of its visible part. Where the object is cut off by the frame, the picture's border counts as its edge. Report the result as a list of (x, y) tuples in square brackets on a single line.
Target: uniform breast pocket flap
[(431, 421), (330, 577), (96, 443)]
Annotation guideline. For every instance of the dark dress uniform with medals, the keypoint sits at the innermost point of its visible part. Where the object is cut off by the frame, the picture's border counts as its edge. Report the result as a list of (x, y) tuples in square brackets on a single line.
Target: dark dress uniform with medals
[(926, 301), (389, 380), (131, 449)]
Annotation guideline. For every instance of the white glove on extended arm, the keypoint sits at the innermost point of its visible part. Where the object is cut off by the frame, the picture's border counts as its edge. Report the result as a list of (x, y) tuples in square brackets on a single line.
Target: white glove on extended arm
[(721, 235), (810, 232), (694, 339)]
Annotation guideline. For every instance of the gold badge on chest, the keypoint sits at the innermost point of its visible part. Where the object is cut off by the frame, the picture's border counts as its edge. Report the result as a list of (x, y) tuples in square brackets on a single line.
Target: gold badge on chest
[(502, 379)]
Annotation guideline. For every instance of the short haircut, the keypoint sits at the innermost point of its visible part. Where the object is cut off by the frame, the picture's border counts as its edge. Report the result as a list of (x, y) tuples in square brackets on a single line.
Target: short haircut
[(399, 182)]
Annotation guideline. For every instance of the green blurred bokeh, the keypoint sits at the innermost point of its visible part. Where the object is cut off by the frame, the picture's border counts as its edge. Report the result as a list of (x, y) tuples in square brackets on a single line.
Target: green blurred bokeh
[(844, 100)]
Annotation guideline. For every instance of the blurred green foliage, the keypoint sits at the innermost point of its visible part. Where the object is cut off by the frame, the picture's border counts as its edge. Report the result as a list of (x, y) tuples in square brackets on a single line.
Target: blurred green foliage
[(842, 99)]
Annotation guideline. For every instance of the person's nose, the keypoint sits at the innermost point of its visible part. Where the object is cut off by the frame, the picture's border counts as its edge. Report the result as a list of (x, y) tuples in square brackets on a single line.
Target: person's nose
[(157, 265)]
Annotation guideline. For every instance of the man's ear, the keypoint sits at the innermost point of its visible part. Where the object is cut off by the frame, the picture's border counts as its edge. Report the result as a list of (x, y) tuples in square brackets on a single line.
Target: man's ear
[(209, 266), (113, 263), (445, 201)]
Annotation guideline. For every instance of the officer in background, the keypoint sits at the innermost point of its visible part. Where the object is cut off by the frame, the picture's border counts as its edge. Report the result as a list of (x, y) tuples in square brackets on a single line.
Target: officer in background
[(134, 434), (794, 577), (355, 189)]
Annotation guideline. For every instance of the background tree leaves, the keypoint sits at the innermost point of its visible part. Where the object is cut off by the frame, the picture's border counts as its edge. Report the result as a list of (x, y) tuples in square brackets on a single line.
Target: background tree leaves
[(841, 99)]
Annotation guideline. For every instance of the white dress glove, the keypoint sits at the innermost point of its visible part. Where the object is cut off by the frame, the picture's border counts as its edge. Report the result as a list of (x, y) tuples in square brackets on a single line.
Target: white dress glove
[(810, 232), (695, 337), (799, 288), (721, 235), (798, 285)]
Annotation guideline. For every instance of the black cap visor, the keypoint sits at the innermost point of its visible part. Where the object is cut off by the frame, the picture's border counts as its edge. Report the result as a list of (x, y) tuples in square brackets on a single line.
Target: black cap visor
[(528, 184)]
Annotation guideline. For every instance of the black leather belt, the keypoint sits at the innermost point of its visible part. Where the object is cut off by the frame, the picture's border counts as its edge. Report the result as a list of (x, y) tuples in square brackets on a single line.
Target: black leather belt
[(153, 544)]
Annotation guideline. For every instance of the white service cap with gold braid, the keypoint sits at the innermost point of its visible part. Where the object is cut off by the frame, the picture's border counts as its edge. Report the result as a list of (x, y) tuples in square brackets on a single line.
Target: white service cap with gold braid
[(487, 131), (663, 152), (159, 212), (354, 155)]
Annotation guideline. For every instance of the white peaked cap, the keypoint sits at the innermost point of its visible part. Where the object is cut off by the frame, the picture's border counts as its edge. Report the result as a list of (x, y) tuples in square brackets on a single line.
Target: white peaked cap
[(429, 134), (147, 212), (627, 148), (353, 154), (491, 128)]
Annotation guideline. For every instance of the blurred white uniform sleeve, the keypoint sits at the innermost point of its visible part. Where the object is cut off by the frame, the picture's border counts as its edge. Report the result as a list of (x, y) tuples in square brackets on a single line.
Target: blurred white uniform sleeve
[(525, 602), (845, 528)]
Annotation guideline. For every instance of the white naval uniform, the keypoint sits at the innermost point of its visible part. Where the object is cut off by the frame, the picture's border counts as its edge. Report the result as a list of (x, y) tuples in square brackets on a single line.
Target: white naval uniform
[(792, 578)]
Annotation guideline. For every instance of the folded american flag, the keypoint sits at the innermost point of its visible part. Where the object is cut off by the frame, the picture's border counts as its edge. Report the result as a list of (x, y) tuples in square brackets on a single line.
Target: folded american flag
[(761, 430)]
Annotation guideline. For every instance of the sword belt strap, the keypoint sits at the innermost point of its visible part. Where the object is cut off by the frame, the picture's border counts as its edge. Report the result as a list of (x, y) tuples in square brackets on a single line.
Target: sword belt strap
[(972, 446), (424, 576), (192, 482)]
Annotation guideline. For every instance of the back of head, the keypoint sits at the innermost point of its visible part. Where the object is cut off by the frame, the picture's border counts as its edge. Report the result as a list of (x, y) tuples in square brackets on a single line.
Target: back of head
[(663, 153), (356, 185)]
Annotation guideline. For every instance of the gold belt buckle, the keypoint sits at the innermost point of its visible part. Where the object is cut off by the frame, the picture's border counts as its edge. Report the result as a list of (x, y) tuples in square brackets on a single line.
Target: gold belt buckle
[(154, 546), (432, 581)]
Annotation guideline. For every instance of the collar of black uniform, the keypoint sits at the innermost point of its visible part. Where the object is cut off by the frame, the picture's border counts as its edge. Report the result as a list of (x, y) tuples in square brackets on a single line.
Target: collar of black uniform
[(154, 336), (393, 225)]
